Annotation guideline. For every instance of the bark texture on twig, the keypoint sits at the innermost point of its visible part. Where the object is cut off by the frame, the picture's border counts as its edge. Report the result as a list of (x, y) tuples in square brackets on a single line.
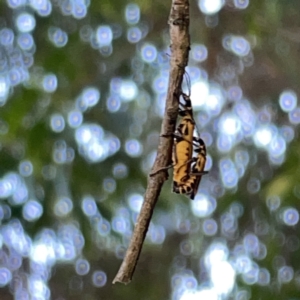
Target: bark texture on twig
[(180, 45)]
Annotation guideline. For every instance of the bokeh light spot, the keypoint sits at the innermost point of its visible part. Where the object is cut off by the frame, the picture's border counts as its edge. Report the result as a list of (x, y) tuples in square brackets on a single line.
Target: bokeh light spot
[(63, 206), (113, 103), (240, 46), (109, 185), (25, 22), (294, 116), (290, 216), (128, 90), (264, 277), (25, 168), (32, 210), (79, 9), (5, 276), (82, 266), (133, 148), (210, 7), (25, 41), (132, 13), (203, 205), (15, 3), (134, 35), (75, 118), (91, 96), (148, 53), (210, 227), (50, 83), (104, 35), (273, 202), (99, 278), (135, 202), (288, 100), (199, 53), (57, 36), (57, 123), (89, 206), (6, 36), (241, 4), (285, 274)]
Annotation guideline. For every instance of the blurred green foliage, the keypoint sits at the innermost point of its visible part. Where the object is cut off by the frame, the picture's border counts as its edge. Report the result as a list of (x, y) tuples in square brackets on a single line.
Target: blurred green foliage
[(274, 28)]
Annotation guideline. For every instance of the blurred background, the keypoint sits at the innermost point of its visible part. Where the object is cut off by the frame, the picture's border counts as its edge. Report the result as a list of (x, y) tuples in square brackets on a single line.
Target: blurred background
[(82, 93)]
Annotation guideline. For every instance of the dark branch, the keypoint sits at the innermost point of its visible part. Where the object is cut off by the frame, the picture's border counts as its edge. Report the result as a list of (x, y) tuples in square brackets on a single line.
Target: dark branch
[(180, 45)]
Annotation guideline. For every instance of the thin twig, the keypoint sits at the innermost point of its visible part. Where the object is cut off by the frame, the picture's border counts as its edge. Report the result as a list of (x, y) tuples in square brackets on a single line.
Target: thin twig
[(180, 46)]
